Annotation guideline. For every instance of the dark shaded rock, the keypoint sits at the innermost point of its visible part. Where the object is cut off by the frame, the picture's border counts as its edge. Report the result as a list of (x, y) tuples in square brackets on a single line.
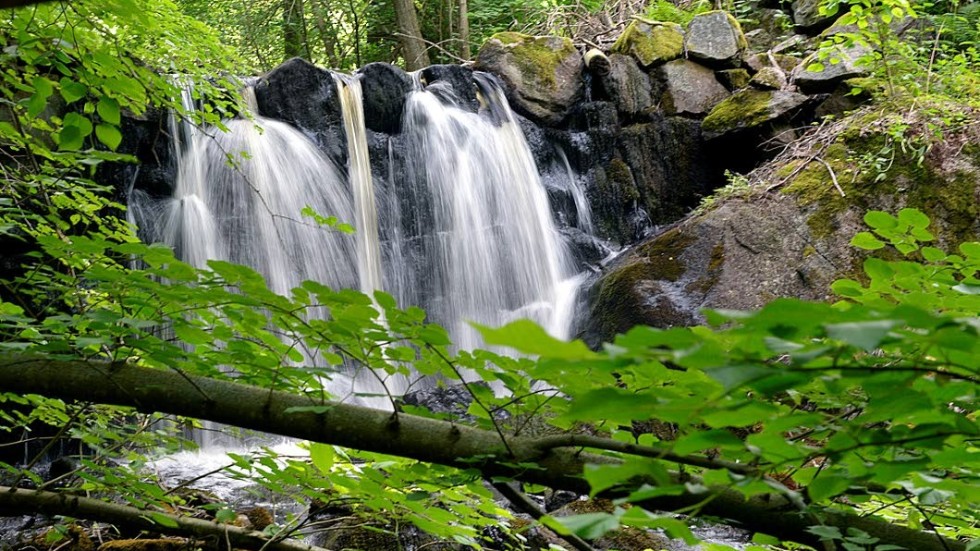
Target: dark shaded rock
[(384, 87), (715, 38), (844, 99), (749, 109), (543, 74), (689, 88), (594, 115), (651, 42), (840, 65), (301, 94), (672, 180), (767, 27), (596, 62), (807, 16), (455, 83), (733, 79), (627, 85)]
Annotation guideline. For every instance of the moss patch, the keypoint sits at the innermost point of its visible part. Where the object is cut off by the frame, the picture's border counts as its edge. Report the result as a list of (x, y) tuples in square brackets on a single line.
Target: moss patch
[(651, 42), (537, 57), (663, 255), (743, 109)]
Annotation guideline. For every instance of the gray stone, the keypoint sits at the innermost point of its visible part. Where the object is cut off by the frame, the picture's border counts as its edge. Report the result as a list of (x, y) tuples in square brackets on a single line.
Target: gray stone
[(690, 89), (543, 74), (716, 38), (769, 78), (733, 79), (830, 74), (627, 85), (757, 61)]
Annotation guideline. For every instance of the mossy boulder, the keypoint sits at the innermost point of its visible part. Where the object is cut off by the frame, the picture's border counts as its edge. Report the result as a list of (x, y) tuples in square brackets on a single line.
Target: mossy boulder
[(651, 42), (750, 109), (787, 231), (543, 74), (715, 38)]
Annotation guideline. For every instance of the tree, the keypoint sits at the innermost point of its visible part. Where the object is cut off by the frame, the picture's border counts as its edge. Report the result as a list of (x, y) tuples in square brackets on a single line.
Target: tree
[(414, 50)]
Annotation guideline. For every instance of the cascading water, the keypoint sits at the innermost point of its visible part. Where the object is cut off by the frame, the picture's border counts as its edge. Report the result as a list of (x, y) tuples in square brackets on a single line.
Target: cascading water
[(493, 253), (484, 247)]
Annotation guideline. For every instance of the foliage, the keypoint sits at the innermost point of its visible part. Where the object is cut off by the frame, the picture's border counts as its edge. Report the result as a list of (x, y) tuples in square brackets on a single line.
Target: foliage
[(665, 10)]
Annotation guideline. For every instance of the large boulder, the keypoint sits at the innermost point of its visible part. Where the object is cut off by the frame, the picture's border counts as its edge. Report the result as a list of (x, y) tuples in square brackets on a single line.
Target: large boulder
[(299, 93), (651, 42), (543, 74), (749, 109), (715, 38), (627, 85), (689, 88), (785, 230), (384, 87), (454, 83)]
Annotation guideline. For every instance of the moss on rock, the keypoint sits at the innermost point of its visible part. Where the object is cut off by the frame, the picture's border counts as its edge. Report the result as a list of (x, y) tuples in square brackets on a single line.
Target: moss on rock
[(749, 109), (651, 42), (537, 56)]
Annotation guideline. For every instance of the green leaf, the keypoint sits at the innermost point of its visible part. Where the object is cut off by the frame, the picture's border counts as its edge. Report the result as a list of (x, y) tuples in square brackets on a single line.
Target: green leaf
[(867, 241), (70, 139), (43, 88), (866, 335), (825, 532), (108, 109), (163, 520), (530, 338), (108, 135), (827, 486), (72, 91), (880, 220), (589, 526), (322, 456)]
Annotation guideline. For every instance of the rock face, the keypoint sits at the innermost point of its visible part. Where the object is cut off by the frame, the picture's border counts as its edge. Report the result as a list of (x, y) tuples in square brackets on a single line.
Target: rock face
[(651, 42), (689, 88), (543, 74), (715, 38), (384, 88), (792, 240), (750, 109), (299, 93)]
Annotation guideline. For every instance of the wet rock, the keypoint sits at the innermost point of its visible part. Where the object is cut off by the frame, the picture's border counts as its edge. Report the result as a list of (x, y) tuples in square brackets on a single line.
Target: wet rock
[(299, 93), (543, 74), (750, 109), (807, 16), (384, 87), (651, 42), (627, 85), (671, 181), (837, 66), (690, 89), (769, 78), (454, 83), (715, 38)]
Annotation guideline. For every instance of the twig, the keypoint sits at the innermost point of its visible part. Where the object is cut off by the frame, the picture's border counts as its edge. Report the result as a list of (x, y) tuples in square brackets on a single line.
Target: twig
[(833, 176), (522, 503)]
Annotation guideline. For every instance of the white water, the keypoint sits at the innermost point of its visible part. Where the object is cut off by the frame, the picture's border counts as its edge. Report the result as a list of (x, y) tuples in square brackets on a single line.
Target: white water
[(494, 253), (485, 250)]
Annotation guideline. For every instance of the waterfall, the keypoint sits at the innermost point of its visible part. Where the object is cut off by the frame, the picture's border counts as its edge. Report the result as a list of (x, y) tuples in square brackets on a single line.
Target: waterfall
[(359, 174), (493, 253), (458, 222)]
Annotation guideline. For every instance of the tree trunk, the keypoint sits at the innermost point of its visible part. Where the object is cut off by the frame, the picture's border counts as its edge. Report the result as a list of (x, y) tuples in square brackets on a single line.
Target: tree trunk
[(560, 461), (410, 35), (15, 501), (292, 29), (464, 30)]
